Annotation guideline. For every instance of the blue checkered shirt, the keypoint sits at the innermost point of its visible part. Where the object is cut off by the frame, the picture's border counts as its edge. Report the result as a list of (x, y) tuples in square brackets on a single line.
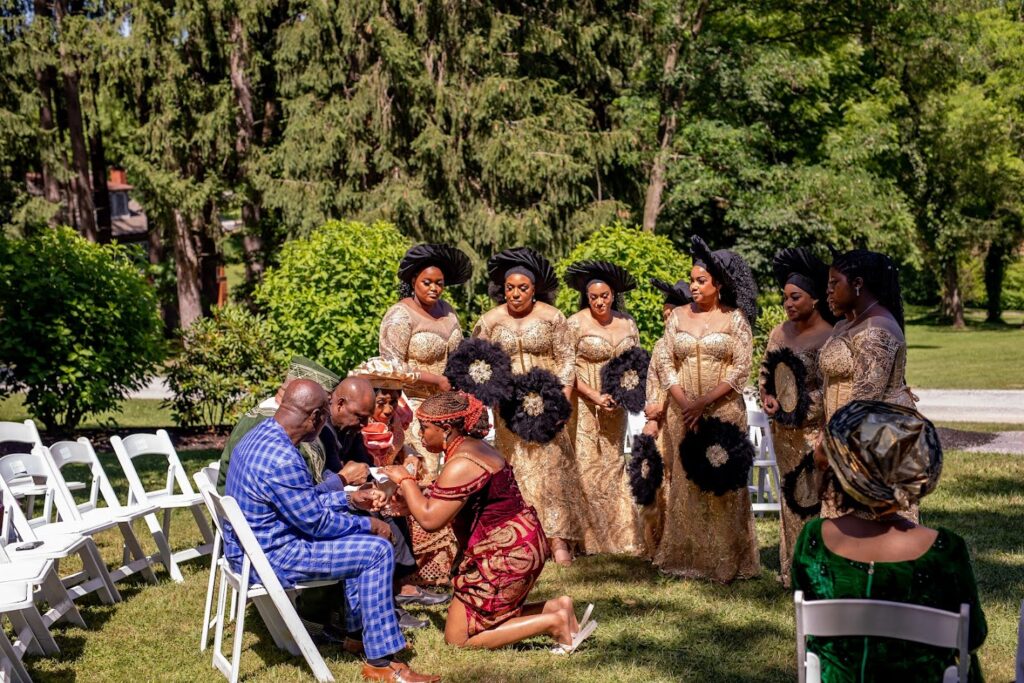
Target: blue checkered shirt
[(288, 514)]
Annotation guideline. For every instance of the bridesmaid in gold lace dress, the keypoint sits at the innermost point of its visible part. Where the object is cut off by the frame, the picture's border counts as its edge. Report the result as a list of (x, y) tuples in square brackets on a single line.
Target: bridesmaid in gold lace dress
[(534, 334), (653, 516), (792, 356), (706, 360), (608, 517), (866, 355), (422, 329)]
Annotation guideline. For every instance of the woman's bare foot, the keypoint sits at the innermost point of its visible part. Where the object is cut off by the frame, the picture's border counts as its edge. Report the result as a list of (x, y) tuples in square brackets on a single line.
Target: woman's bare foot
[(560, 550)]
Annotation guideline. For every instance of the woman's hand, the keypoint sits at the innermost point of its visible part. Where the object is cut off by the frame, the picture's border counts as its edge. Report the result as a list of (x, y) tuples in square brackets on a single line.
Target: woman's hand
[(693, 410), (771, 405), (606, 402), (568, 393), (820, 458), (370, 500), (654, 411), (651, 428), (396, 473), (439, 381)]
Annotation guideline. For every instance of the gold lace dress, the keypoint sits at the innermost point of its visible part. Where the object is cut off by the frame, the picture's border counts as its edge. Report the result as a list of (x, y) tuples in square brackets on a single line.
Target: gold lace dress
[(608, 517), (408, 336), (652, 517), (863, 361), (546, 473), (792, 443), (707, 536)]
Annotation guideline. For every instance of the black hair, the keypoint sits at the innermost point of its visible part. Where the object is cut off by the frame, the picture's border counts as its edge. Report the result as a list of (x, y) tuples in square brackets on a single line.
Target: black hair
[(448, 402), (880, 275)]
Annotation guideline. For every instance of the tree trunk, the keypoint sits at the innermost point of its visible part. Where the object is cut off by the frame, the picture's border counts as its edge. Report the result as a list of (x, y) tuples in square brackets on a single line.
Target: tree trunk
[(156, 252), (186, 267), (252, 244), (952, 301), (81, 185), (995, 268), (210, 263), (671, 100), (101, 194), (45, 77)]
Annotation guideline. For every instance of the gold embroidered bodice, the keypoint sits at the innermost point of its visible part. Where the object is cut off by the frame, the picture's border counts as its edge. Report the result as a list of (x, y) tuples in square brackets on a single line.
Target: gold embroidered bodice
[(808, 351), (541, 339), (864, 361), (422, 343), (596, 345), (699, 361)]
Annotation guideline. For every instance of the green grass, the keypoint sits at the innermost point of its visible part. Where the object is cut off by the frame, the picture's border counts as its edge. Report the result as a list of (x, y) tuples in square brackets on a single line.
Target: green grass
[(652, 628), (133, 413), (987, 427), (982, 356)]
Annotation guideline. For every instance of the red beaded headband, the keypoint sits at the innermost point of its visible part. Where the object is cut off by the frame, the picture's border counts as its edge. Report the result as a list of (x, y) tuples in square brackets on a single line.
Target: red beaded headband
[(471, 413)]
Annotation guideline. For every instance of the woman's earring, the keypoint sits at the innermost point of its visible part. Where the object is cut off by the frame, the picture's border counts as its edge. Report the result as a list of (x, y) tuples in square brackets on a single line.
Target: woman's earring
[(857, 290)]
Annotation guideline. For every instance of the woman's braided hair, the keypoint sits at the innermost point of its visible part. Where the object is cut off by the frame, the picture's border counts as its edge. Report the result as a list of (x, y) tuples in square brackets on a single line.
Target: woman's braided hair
[(880, 275), (451, 408)]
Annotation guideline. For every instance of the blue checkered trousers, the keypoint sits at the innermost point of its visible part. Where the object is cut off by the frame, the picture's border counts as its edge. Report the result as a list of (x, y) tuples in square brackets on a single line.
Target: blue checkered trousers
[(310, 534)]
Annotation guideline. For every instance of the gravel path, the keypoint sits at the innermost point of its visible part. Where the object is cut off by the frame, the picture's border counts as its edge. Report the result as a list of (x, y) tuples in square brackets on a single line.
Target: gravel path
[(971, 405)]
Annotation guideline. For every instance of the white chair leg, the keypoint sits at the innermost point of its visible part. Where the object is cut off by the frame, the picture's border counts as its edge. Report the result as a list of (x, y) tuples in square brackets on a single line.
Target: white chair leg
[(133, 548), (236, 647), (96, 569), (204, 640), (164, 548), (234, 603), (13, 660), (202, 523), (218, 629), (300, 636), (61, 604)]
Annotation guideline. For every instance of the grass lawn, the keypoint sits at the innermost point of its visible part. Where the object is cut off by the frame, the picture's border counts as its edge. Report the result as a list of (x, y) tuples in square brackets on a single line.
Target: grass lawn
[(652, 628), (981, 356), (988, 427), (133, 413)]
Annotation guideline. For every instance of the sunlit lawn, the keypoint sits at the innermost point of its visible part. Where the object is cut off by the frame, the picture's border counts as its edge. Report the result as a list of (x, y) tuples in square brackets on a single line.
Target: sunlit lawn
[(652, 628), (136, 413)]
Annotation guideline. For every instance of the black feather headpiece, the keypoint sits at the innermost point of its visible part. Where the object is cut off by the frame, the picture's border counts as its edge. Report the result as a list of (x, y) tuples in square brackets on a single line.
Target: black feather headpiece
[(799, 266), (677, 294), (581, 273), (481, 368), (453, 262), (717, 456), (537, 410), (624, 378), (739, 289), (646, 469), (545, 280)]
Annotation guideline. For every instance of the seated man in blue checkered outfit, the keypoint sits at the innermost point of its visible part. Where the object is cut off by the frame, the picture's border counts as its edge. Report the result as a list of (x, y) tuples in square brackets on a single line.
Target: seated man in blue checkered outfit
[(310, 533)]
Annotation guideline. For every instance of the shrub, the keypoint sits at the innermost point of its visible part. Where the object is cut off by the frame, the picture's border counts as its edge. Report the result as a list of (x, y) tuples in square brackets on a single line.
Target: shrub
[(228, 363), (78, 325), (326, 298), (644, 255)]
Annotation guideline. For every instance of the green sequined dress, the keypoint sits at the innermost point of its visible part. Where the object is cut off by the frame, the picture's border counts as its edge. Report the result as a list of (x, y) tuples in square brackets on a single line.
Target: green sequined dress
[(941, 578)]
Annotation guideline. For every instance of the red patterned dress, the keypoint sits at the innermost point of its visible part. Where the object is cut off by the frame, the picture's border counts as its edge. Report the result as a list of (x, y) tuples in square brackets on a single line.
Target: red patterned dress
[(502, 548)]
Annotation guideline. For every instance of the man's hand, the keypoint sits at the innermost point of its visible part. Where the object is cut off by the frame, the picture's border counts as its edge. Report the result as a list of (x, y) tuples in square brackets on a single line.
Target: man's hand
[(380, 528), (370, 500), (354, 473)]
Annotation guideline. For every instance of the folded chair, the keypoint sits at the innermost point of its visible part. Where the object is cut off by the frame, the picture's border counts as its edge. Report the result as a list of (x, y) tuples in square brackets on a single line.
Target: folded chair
[(54, 542), (272, 601), (883, 619), (166, 497), (765, 485), (89, 513), (17, 605)]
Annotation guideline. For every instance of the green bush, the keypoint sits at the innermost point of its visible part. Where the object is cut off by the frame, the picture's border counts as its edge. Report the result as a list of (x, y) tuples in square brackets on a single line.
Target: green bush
[(228, 363), (79, 327), (326, 298), (644, 255)]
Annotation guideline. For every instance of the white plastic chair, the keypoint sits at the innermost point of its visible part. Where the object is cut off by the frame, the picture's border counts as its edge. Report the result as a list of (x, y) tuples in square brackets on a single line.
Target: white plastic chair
[(882, 619), (166, 498), (81, 452), (17, 604), (55, 542), (41, 576), (26, 433), (764, 485), (272, 601)]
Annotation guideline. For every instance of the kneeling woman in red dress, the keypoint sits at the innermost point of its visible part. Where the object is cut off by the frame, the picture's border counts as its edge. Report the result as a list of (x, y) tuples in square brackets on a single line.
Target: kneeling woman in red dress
[(502, 548)]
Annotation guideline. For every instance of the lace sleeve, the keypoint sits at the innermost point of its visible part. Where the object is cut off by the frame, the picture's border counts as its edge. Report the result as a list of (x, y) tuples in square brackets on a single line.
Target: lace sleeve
[(563, 343), (742, 353), (482, 330), (665, 358), (773, 343), (655, 391), (395, 332), (874, 357)]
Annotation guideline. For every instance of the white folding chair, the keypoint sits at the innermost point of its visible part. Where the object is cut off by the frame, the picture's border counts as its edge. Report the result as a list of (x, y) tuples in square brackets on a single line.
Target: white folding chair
[(18, 605), (764, 475), (41, 576), (272, 601), (55, 542), (166, 497), (27, 488), (883, 619), (64, 453), (634, 427)]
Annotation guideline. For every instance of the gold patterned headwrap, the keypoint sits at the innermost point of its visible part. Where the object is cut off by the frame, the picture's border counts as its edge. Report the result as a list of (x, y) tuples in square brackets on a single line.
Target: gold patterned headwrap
[(885, 456), (385, 374)]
